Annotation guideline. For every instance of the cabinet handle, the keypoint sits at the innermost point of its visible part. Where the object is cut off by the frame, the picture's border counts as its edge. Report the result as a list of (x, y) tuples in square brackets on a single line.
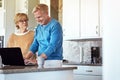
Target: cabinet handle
[(89, 71), (64, 32), (97, 30)]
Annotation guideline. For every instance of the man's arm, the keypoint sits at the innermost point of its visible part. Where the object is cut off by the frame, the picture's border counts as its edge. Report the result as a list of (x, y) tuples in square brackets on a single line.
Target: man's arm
[(29, 55)]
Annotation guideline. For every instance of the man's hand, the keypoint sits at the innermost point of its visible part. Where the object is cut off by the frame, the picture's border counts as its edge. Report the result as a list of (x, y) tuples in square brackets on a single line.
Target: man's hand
[(30, 62), (43, 55), (28, 55)]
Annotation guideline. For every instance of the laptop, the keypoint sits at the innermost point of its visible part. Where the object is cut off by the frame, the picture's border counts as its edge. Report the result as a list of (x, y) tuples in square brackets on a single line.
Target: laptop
[(12, 56)]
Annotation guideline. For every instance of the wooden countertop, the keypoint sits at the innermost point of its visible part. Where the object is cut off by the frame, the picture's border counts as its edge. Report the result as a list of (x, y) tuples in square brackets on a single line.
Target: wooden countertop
[(26, 69)]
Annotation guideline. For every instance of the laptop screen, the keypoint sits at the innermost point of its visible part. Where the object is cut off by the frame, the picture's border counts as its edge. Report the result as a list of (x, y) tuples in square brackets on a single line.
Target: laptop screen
[(12, 56)]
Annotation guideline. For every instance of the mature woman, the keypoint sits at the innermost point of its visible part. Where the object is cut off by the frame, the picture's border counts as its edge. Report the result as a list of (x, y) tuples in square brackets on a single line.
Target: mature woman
[(22, 37)]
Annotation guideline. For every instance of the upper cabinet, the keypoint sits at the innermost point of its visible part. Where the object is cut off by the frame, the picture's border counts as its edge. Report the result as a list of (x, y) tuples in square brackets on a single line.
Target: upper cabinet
[(71, 19), (81, 19), (90, 18)]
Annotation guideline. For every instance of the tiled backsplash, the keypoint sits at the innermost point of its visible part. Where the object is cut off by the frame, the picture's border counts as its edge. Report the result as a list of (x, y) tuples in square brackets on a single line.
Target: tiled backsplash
[(77, 51)]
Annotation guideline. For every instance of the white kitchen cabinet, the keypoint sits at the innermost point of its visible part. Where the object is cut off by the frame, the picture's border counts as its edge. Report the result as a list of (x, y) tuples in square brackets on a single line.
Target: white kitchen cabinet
[(88, 73), (90, 18), (71, 19), (81, 19), (87, 77)]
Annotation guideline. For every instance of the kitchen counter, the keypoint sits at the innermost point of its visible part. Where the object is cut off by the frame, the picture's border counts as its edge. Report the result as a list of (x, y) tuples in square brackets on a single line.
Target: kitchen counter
[(81, 64), (35, 73)]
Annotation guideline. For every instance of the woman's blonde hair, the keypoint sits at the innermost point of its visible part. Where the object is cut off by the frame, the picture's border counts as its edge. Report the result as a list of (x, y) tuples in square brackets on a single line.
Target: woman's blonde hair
[(20, 16)]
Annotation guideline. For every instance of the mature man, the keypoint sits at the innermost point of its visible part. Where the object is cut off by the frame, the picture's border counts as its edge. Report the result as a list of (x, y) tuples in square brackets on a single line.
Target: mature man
[(48, 38)]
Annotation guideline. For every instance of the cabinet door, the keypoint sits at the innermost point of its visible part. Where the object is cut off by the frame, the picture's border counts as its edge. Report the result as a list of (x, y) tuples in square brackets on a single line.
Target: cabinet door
[(71, 19), (87, 77), (90, 18), (88, 70)]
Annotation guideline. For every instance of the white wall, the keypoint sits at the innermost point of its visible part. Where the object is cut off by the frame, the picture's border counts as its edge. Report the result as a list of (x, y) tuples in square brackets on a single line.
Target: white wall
[(111, 39), (2, 14), (9, 17), (2, 32)]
